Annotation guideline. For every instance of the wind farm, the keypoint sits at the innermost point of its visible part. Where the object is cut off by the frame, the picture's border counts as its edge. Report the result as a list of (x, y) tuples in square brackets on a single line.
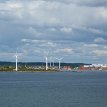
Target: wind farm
[(50, 63), (57, 66)]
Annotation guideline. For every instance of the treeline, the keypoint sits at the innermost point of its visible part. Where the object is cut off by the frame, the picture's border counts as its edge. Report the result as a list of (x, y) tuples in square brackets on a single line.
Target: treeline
[(40, 64)]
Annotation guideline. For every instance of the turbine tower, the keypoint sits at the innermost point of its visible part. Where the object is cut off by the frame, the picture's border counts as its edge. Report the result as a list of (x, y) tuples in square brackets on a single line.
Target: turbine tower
[(59, 60), (50, 61), (16, 62), (46, 62), (53, 62)]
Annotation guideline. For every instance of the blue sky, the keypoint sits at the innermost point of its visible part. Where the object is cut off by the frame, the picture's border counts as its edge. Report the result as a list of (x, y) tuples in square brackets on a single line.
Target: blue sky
[(73, 29)]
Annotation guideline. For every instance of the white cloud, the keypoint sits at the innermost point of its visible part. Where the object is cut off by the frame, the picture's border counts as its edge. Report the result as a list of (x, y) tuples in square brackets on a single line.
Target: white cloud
[(102, 13), (100, 40), (65, 50), (48, 44), (34, 32), (52, 29), (42, 43), (66, 30), (90, 45), (82, 2), (100, 52), (97, 31)]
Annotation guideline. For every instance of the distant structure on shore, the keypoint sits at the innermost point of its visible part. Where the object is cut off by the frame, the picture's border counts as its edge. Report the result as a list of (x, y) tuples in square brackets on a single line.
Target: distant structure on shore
[(46, 63), (95, 67), (16, 55), (59, 59), (16, 62)]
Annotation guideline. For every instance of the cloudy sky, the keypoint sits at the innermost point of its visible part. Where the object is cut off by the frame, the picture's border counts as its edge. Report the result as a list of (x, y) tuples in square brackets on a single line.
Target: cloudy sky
[(73, 29)]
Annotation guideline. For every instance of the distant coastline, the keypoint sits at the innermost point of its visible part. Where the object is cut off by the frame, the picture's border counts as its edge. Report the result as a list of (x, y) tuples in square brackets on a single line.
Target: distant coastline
[(35, 66), (41, 67)]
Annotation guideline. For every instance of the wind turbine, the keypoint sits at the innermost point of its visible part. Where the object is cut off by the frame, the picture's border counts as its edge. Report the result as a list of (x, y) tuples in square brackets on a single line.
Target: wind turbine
[(53, 61), (16, 61), (46, 60), (59, 59), (50, 61)]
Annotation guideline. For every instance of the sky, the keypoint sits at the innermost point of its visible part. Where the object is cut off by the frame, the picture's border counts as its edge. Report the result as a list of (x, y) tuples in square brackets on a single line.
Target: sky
[(75, 30)]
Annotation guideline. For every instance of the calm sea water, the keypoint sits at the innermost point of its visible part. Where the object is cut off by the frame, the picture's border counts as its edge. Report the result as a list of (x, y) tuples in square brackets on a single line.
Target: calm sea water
[(65, 89)]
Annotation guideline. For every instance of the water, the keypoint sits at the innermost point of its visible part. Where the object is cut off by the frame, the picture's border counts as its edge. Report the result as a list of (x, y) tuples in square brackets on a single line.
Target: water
[(65, 89)]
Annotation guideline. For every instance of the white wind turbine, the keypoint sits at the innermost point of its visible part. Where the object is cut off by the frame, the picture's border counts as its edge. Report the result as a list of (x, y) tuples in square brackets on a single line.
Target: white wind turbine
[(59, 60), (53, 61), (46, 60), (50, 61), (16, 56)]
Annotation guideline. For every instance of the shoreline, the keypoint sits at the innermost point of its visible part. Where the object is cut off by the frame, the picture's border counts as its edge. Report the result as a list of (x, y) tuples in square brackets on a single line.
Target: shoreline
[(51, 71)]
